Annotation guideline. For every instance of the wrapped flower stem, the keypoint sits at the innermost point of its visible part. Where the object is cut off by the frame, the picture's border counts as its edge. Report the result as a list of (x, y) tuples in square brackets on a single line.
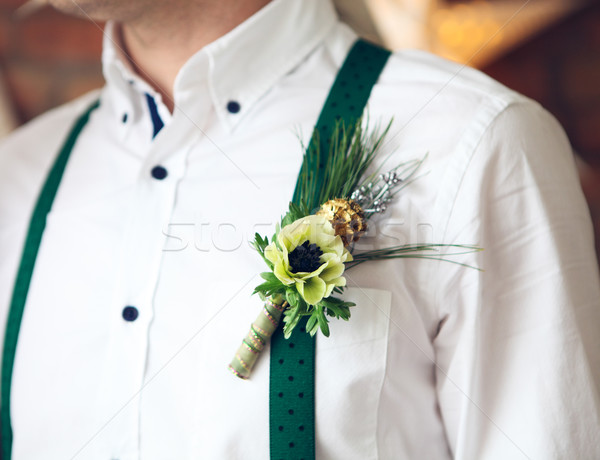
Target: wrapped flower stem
[(258, 336)]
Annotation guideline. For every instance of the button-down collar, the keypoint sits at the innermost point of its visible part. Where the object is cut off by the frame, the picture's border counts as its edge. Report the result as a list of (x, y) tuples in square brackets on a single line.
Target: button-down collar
[(231, 71)]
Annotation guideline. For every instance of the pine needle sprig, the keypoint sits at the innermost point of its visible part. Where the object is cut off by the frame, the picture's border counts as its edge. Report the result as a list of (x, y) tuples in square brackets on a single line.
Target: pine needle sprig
[(415, 251), (352, 150)]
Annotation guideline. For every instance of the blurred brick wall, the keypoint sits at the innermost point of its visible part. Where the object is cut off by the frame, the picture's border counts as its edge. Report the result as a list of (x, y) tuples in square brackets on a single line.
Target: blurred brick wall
[(561, 69), (47, 58)]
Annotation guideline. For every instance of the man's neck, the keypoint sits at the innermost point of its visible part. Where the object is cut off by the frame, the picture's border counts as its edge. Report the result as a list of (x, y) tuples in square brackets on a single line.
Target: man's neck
[(160, 42)]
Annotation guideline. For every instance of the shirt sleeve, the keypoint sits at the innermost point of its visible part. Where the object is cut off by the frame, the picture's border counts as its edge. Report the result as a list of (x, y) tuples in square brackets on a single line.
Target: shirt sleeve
[(518, 348)]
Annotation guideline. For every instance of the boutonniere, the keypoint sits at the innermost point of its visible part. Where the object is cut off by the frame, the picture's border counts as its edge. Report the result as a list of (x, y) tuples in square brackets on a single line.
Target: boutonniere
[(314, 243)]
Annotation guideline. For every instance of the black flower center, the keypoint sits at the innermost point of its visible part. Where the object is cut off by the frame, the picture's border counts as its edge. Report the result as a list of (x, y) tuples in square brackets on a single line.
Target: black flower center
[(305, 258)]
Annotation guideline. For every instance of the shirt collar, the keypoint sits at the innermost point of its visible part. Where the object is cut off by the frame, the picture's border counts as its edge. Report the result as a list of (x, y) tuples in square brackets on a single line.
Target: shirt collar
[(240, 66)]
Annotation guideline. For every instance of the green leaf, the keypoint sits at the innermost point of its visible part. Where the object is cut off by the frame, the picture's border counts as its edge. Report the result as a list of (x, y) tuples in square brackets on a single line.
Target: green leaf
[(338, 289), (296, 310), (269, 276), (312, 324), (277, 229), (291, 318), (286, 220), (337, 308), (294, 213), (269, 287), (292, 297), (260, 244), (323, 322)]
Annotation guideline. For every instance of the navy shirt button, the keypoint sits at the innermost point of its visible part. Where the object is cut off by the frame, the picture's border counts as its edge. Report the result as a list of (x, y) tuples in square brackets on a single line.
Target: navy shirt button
[(130, 313), (233, 106), (158, 172)]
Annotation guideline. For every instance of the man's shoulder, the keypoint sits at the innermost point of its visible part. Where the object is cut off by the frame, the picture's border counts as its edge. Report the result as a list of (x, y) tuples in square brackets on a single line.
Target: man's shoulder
[(445, 106), (420, 70), (47, 130), (28, 152)]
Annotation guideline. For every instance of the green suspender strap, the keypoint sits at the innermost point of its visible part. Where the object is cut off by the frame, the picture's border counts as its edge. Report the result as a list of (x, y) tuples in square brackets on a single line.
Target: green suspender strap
[(292, 368), (19, 296)]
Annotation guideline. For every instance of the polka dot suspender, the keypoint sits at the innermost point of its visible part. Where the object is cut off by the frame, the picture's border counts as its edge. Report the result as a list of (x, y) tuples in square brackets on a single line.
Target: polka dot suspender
[(292, 377)]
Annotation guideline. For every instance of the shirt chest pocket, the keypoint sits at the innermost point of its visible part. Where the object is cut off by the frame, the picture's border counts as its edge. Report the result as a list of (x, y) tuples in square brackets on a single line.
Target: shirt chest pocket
[(349, 376)]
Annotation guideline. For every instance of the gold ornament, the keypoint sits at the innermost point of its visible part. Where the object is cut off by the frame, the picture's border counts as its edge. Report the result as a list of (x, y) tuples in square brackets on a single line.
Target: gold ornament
[(346, 217)]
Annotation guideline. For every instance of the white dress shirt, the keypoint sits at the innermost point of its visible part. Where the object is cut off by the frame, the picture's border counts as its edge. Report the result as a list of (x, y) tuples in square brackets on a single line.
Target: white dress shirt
[(438, 361)]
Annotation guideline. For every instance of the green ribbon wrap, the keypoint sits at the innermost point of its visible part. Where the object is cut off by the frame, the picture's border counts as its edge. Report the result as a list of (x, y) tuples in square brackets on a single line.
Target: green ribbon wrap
[(258, 336)]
